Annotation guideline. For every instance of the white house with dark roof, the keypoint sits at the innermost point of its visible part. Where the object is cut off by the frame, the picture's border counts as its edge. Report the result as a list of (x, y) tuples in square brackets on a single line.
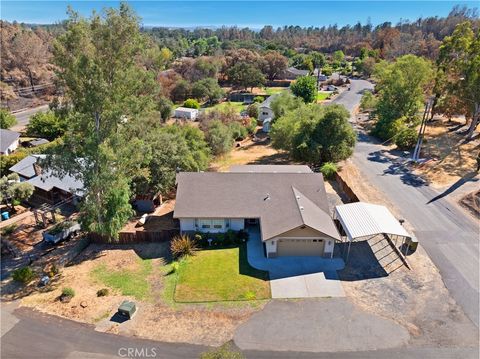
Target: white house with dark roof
[(289, 205), (8, 141)]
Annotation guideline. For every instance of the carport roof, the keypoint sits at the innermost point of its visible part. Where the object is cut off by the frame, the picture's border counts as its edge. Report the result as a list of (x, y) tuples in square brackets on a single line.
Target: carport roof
[(361, 219)]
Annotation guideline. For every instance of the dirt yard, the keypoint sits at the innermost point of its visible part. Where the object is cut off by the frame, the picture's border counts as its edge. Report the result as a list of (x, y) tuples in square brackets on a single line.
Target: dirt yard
[(157, 318), (417, 298), (256, 151), (450, 158)]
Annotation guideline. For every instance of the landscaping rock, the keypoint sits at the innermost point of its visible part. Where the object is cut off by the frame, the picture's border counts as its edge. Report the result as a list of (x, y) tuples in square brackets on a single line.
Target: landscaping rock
[(65, 298), (83, 304)]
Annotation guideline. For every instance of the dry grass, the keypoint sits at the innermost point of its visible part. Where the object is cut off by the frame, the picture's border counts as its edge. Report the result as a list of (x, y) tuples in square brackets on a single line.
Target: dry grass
[(250, 152), (451, 157)]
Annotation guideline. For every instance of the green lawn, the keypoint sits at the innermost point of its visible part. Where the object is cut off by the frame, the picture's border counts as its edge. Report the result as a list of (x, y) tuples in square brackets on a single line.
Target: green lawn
[(237, 106), (128, 282), (220, 275), (323, 95)]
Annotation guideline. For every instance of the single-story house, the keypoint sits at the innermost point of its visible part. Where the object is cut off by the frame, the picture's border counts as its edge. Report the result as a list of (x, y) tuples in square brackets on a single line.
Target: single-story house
[(186, 113), (289, 206), (8, 141), (293, 73), (245, 97), (264, 109), (49, 187)]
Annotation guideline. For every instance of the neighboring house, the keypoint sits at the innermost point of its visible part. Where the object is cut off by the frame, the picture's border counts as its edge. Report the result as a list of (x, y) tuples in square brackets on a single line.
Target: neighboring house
[(186, 113), (244, 97), (8, 141), (49, 187), (293, 73), (288, 203), (264, 109)]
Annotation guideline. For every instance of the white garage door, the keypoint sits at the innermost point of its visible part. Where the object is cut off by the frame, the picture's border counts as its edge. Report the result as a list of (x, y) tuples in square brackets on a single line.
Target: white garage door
[(300, 247)]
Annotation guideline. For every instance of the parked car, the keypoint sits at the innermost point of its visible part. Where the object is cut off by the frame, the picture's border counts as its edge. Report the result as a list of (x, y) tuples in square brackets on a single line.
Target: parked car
[(61, 231)]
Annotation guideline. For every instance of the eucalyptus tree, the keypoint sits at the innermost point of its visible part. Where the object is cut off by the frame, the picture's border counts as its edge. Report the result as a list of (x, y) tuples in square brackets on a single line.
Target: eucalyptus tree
[(110, 94)]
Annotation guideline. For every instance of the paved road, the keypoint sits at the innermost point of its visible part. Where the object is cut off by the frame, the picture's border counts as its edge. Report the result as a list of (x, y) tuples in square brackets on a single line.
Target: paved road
[(450, 236), (23, 117), (29, 334)]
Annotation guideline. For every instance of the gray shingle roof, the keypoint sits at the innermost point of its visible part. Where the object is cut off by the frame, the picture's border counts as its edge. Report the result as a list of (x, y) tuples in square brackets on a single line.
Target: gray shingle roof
[(271, 168), (272, 197), (46, 180), (268, 101), (7, 137)]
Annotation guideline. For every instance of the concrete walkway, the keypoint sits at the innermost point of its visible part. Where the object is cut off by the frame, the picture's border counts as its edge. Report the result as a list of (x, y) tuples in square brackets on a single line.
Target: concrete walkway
[(296, 277)]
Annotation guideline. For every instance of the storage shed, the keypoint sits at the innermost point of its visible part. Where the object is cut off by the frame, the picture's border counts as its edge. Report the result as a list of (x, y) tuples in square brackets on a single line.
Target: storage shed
[(186, 113)]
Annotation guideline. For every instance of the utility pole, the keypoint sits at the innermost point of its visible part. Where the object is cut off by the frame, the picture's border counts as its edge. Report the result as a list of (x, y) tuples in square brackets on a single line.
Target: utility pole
[(421, 130)]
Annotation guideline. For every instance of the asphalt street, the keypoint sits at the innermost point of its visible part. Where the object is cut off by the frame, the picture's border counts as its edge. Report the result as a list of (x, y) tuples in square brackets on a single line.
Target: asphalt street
[(448, 234), (23, 117), (32, 335)]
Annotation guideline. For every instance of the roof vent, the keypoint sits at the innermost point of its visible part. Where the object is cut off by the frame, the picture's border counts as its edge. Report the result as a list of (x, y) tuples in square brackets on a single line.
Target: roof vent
[(267, 197), (298, 197), (301, 208)]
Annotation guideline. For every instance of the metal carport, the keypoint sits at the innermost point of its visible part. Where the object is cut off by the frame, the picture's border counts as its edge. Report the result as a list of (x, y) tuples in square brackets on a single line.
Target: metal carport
[(362, 220)]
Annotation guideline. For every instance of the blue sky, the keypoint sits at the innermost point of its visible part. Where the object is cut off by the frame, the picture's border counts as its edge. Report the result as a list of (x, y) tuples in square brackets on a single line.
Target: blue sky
[(254, 14)]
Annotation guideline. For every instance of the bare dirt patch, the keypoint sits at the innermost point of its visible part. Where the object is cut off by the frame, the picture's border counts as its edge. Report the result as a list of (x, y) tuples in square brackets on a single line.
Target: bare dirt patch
[(450, 157), (417, 298), (252, 151), (157, 318)]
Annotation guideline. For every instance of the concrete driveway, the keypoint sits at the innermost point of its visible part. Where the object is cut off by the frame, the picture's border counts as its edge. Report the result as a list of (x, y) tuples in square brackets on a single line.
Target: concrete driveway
[(296, 277)]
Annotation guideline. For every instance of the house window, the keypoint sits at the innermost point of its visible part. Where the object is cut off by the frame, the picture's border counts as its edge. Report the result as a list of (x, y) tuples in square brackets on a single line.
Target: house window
[(218, 223), (212, 223)]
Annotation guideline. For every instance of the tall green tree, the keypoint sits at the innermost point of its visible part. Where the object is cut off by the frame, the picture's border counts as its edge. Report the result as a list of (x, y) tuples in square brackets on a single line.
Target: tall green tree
[(315, 134), (169, 149), (402, 87), (245, 75), (305, 87), (110, 94), (459, 61), (47, 125)]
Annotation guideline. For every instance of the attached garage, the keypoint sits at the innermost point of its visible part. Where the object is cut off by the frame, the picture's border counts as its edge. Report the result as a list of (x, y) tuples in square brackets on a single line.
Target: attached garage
[(300, 247)]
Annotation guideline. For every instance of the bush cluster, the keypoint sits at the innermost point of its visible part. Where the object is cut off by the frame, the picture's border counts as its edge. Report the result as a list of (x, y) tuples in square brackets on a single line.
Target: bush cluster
[(183, 246), (230, 238), (68, 292), (102, 292), (328, 169), (24, 275)]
